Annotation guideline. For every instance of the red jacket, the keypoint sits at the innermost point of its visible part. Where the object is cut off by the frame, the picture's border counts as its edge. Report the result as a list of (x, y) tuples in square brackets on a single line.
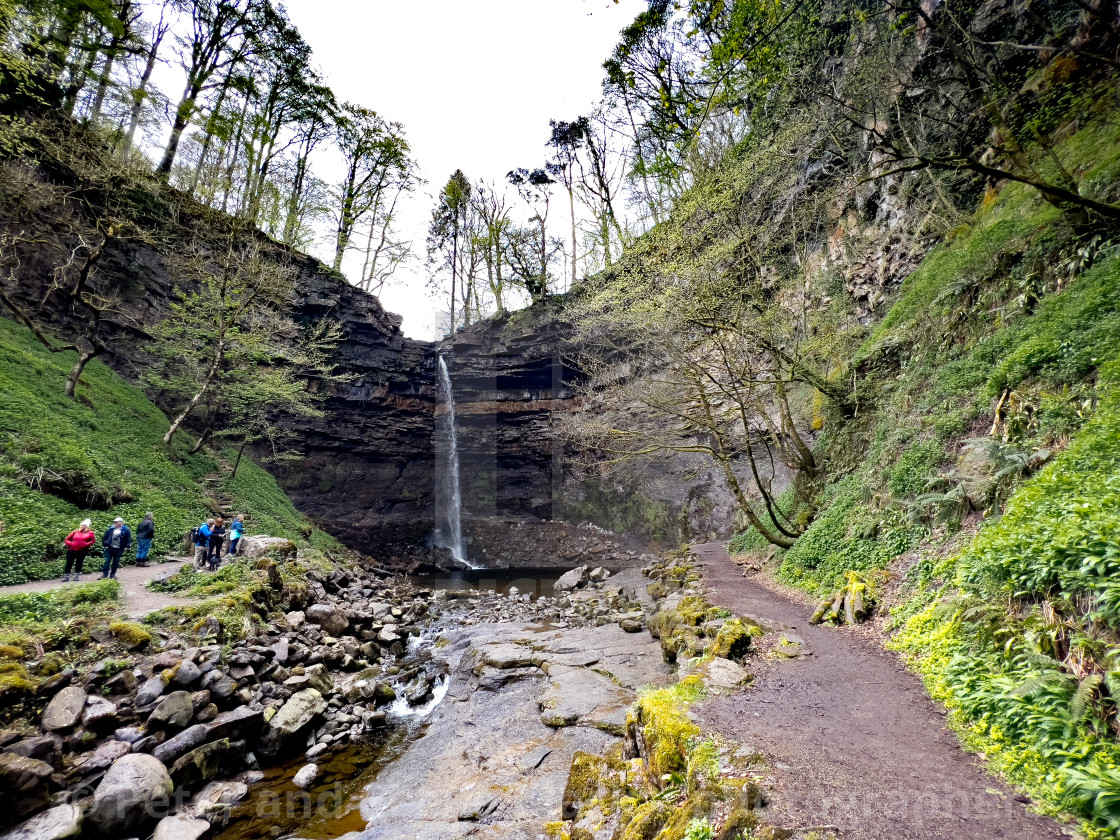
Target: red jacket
[(80, 539)]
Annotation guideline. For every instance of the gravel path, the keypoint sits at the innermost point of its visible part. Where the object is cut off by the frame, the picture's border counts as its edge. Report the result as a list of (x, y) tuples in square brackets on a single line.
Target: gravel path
[(136, 600), (853, 740)]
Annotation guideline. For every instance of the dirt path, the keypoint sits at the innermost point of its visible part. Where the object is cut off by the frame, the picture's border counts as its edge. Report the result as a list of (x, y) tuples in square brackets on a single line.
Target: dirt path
[(136, 600), (852, 738)]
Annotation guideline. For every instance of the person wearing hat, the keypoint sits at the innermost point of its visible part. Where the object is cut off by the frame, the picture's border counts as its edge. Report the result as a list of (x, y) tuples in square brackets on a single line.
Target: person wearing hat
[(78, 544), (116, 542), (145, 533)]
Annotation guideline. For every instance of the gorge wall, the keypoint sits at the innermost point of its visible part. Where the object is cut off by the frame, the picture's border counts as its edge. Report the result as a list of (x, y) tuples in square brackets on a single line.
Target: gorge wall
[(365, 470)]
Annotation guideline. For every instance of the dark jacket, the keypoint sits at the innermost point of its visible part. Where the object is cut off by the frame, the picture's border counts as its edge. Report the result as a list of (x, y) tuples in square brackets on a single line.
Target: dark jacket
[(146, 530), (126, 537), (217, 535)]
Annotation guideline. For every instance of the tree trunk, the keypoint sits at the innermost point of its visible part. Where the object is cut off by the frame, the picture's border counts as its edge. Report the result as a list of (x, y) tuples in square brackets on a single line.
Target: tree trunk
[(182, 119), (140, 94), (103, 82), (84, 357), (572, 209), (237, 463), (219, 354)]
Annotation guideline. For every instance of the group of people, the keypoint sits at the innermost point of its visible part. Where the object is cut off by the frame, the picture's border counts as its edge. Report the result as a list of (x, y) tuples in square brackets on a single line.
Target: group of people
[(115, 542), (210, 536), (208, 539)]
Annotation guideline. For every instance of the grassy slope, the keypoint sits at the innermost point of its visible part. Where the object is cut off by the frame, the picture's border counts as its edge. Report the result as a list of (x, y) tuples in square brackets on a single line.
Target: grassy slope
[(985, 619), (108, 445)]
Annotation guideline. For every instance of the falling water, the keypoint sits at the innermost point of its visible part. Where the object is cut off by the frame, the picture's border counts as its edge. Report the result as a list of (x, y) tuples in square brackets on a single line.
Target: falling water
[(449, 533)]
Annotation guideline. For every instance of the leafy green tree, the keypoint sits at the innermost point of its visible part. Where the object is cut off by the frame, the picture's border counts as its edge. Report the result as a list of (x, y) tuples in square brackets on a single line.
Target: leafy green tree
[(445, 229), (530, 252), (377, 164), (217, 40), (227, 322)]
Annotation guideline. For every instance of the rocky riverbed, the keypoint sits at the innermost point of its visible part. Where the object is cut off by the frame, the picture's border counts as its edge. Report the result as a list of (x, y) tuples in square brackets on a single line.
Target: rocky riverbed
[(182, 739)]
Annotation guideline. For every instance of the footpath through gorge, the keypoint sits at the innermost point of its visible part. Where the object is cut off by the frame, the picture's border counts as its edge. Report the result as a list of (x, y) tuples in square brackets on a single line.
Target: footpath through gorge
[(395, 708), (851, 738)]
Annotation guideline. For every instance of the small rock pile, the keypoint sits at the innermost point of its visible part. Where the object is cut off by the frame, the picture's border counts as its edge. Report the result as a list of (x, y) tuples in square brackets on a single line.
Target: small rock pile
[(583, 597)]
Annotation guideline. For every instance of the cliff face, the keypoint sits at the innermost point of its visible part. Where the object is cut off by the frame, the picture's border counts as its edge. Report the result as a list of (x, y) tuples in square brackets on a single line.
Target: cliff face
[(365, 467), (513, 381), (365, 471)]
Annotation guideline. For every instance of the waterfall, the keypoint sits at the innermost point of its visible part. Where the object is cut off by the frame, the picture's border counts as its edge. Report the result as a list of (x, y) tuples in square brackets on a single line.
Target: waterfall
[(449, 529)]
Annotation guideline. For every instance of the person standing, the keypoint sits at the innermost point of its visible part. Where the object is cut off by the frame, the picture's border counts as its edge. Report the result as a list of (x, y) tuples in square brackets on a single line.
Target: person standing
[(145, 533), (217, 537), (236, 531), (115, 542), (78, 544), (202, 542)]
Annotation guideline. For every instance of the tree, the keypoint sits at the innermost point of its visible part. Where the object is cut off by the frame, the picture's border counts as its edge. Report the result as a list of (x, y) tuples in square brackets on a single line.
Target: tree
[(489, 205), (139, 94), (530, 255), (377, 165), (445, 228), (74, 251), (227, 320), (567, 140), (217, 41)]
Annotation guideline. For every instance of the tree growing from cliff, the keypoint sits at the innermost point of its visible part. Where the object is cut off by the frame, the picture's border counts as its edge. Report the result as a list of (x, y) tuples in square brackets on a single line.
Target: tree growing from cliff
[(529, 250), (445, 232), (216, 41), (378, 168), (228, 348), (72, 254)]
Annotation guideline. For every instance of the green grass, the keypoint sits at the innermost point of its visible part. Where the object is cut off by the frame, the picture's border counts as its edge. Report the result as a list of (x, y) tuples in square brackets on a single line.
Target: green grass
[(36, 608), (102, 456)]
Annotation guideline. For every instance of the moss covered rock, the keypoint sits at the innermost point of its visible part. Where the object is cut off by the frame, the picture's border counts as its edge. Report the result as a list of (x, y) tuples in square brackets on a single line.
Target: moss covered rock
[(733, 641), (647, 821), (130, 634)]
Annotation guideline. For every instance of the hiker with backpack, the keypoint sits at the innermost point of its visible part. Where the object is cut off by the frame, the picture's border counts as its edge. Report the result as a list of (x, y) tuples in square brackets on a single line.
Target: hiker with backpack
[(115, 542), (78, 544), (217, 538), (145, 533), (201, 539)]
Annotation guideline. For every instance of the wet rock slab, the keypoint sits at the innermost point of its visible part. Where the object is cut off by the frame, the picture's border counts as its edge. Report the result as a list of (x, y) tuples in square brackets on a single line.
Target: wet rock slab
[(489, 763)]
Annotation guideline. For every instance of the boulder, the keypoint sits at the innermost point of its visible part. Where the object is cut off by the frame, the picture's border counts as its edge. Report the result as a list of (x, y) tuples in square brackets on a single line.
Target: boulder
[(102, 757), (132, 792), (99, 712), (723, 673), (150, 691), (294, 716), (23, 786), (319, 679), (186, 675), (599, 573), (306, 776), (42, 747), (185, 741), (173, 712), (59, 823), (65, 709), (242, 722), (295, 618), (180, 827), (200, 765), (253, 547), (572, 579), (331, 619)]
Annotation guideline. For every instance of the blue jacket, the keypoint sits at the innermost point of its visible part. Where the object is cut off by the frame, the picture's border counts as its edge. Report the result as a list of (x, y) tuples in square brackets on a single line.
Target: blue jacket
[(126, 537), (202, 536)]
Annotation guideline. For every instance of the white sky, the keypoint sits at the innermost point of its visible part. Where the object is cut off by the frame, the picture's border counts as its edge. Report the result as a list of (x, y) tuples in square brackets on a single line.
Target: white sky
[(474, 83)]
